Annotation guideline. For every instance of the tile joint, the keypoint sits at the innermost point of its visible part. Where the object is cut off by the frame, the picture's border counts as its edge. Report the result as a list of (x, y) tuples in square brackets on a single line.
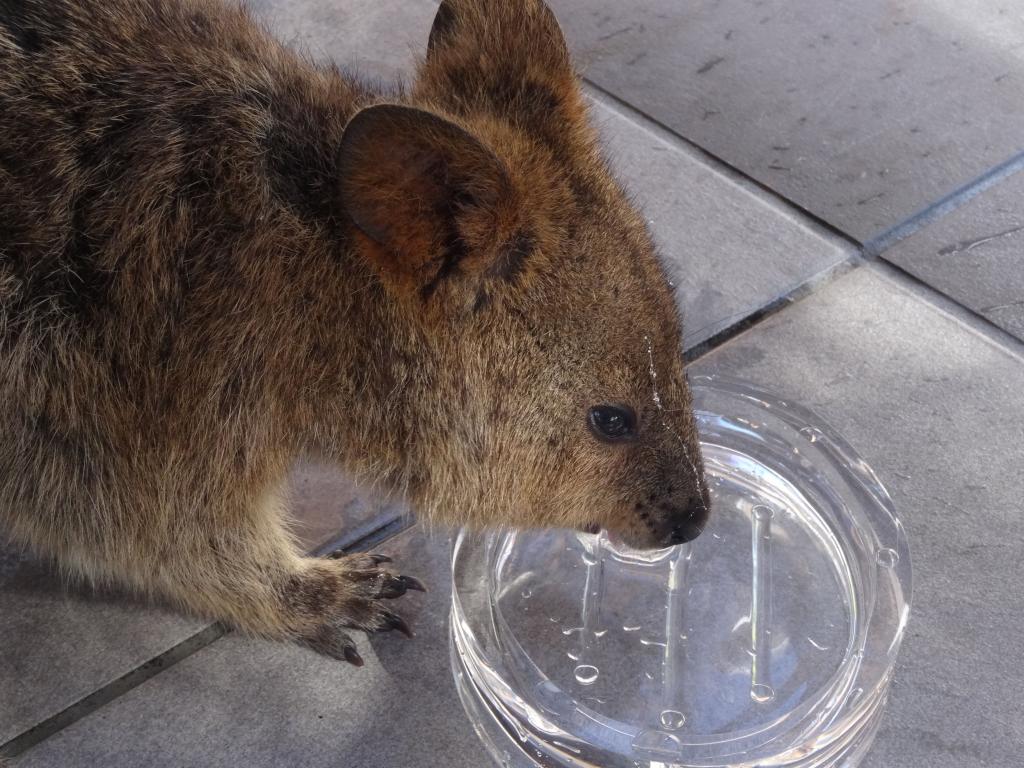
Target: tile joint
[(959, 197), (812, 221), (358, 539)]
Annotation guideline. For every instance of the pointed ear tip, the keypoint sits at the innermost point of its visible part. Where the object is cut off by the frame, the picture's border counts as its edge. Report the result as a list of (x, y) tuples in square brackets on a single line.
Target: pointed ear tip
[(446, 19), (442, 26)]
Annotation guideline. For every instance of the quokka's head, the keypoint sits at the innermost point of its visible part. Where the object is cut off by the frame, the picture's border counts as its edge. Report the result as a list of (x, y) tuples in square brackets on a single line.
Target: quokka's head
[(552, 384)]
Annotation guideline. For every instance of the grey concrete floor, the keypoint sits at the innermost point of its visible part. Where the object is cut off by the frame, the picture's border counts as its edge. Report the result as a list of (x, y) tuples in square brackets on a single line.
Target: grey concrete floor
[(836, 187)]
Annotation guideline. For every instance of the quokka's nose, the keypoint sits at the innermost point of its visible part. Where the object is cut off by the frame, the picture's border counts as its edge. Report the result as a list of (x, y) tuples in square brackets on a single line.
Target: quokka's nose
[(688, 523)]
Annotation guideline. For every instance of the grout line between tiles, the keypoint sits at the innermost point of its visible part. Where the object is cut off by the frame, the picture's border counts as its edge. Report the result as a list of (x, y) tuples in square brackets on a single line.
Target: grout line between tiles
[(383, 526), (802, 291), (358, 539), (974, 320), (868, 253), (110, 691), (812, 221), (960, 196)]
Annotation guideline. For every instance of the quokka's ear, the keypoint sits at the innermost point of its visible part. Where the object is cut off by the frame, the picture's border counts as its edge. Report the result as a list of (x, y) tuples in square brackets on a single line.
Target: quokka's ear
[(436, 208), (526, 29), (502, 57)]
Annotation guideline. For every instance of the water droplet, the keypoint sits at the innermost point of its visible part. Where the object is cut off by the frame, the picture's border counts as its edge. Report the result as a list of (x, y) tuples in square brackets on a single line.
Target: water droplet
[(588, 558), (672, 719), (853, 696), (586, 674), (572, 749), (630, 627), (816, 644), (648, 675), (600, 632), (655, 643), (573, 654), (527, 593), (715, 536), (887, 558), (658, 742), (761, 512), (761, 693), (571, 631)]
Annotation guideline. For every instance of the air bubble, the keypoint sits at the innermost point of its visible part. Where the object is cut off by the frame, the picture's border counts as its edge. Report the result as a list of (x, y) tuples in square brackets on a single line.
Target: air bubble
[(761, 693), (887, 558), (586, 674), (811, 433), (672, 719), (761, 512)]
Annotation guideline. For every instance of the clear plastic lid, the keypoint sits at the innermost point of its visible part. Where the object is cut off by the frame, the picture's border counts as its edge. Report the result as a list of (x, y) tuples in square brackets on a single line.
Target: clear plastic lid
[(769, 640)]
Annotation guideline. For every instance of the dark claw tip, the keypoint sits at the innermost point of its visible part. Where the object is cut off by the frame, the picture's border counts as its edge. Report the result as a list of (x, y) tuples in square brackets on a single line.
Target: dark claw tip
[(393, 586), (413, 583), (394, 621), (378, 559), (352, 656)]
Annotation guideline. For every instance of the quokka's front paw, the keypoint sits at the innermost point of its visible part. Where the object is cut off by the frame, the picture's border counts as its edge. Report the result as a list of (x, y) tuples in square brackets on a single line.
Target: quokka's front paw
[(360, 583)]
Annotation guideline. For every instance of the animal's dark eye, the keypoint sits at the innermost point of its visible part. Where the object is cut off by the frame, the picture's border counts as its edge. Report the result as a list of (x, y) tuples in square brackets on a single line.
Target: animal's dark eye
[(613, 422)]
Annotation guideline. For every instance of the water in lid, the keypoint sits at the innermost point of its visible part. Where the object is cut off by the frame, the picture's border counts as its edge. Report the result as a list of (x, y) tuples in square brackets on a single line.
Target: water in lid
[(755, 642)]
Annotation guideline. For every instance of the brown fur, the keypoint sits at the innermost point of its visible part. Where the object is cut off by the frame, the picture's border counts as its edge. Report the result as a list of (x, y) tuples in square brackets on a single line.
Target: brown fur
[(216, 257)]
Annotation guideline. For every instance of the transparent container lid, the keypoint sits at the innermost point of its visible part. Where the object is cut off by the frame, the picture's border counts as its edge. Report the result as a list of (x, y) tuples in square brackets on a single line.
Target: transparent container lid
[(769, 640)]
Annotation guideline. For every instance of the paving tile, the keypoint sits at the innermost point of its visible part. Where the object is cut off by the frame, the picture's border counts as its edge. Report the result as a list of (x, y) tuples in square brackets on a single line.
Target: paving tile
[(935, 408), (730, 249), (324, 502), (379, 40), (249, 702), (58, 645), (60, 642), (975, 254), (862, 111)]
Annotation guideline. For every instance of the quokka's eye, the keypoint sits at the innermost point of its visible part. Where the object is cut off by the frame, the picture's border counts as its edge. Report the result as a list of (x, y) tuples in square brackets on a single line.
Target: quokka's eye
[(612, 423)]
